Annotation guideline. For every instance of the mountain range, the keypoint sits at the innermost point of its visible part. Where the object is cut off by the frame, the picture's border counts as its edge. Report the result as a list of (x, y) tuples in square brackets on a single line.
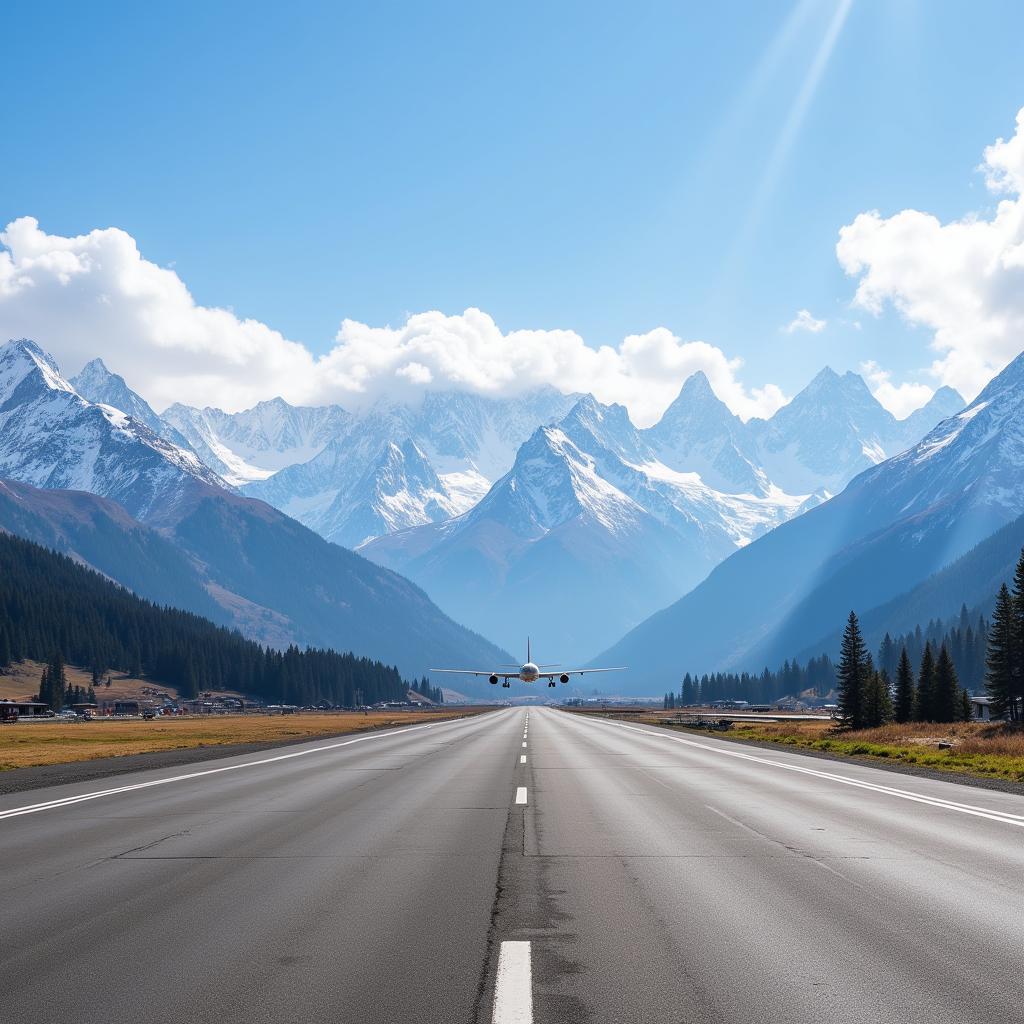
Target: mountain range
[(597, 525), (397, 466), (547, 515), (96, 483), (586, 535), (878, 542)]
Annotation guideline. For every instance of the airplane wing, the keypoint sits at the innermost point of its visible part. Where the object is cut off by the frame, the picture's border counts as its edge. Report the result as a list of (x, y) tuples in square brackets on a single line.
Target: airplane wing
[(476, 672), (579, 672)]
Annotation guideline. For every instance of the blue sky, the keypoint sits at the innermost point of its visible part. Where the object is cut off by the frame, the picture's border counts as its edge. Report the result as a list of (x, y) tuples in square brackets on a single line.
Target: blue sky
[(592, 167)]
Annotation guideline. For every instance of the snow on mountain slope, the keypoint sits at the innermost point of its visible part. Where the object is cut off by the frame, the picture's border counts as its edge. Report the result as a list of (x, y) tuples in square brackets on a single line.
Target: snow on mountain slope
[(553, 550), (892, 527), (700, 470), (98, 385), (831, 431), (254, 444), (52, 437), (944, 403), (834, 429), (266, 574), (699, 434), (465, 441), (397, 491), (714, 522)]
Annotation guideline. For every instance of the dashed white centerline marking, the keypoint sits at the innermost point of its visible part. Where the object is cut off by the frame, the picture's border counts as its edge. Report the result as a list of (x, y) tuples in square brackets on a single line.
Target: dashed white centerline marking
[(522, 759), (513, 987), (524, 744), (521, 795)]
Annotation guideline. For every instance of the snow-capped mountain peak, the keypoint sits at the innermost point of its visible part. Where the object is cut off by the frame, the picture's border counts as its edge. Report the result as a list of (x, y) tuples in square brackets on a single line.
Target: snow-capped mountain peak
[(831, 430), (698, 433), (254, 444), (23, 362), (50, 436), (553, 481), (607, 425), (97, 384), (95, 374), (398, 490)]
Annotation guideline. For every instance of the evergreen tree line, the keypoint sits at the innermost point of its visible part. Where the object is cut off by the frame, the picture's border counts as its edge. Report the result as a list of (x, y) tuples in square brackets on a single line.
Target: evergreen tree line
[(54, 689), (818, 674), (52, 608), (1005, 678), (966, 642), (869, 697), (992, 653), (424, 689)]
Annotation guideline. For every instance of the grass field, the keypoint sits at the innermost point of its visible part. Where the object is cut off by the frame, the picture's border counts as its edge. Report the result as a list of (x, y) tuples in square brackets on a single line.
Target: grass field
[(986, 750), (21, 680), (27, 744)]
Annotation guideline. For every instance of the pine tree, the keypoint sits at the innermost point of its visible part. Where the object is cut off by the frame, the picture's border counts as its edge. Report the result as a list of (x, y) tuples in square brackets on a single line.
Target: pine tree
[(903, 710), (55, 682), (887, 656), (877, 700), (852, 675), (946, 705), (5, 649), (1000, 657), (926, 686), (1017, 668), (966, 707), (189, 687)]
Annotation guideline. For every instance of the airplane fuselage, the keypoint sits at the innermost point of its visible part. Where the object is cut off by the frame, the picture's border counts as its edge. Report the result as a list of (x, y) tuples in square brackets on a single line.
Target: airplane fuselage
[(530, 672)]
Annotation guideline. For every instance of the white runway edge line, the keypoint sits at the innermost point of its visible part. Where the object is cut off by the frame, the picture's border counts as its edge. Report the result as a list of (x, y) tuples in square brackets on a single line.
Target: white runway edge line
[(521, 795), (67, 801), (513, 987), (933, 801)]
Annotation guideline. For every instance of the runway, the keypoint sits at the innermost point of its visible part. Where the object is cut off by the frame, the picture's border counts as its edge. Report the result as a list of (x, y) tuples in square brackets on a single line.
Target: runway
[(513, 867)]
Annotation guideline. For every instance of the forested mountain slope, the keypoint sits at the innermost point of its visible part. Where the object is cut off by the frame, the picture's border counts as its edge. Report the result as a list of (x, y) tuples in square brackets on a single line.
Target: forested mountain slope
[(51, 605)]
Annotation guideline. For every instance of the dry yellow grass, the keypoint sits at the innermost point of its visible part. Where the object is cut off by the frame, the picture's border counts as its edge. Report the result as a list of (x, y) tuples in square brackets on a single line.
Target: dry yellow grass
[(21, 680), (987, 750), (28, 744)]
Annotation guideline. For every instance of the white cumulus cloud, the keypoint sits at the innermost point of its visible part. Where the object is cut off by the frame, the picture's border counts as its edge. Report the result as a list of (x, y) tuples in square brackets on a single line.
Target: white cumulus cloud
[(95, 294), (804, 321), (964, 280), (900, 399)]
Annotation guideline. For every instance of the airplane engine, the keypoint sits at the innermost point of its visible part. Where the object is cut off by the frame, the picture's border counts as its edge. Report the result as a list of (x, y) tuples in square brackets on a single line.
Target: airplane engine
[(493, 680), (563, 678)]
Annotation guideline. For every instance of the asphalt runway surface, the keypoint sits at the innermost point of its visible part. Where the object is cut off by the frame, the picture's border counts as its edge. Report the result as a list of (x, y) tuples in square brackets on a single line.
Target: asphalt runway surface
[(508, 868)]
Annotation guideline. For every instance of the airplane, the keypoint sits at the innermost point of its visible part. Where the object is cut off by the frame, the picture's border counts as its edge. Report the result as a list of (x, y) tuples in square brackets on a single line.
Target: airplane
[(528, 673)]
